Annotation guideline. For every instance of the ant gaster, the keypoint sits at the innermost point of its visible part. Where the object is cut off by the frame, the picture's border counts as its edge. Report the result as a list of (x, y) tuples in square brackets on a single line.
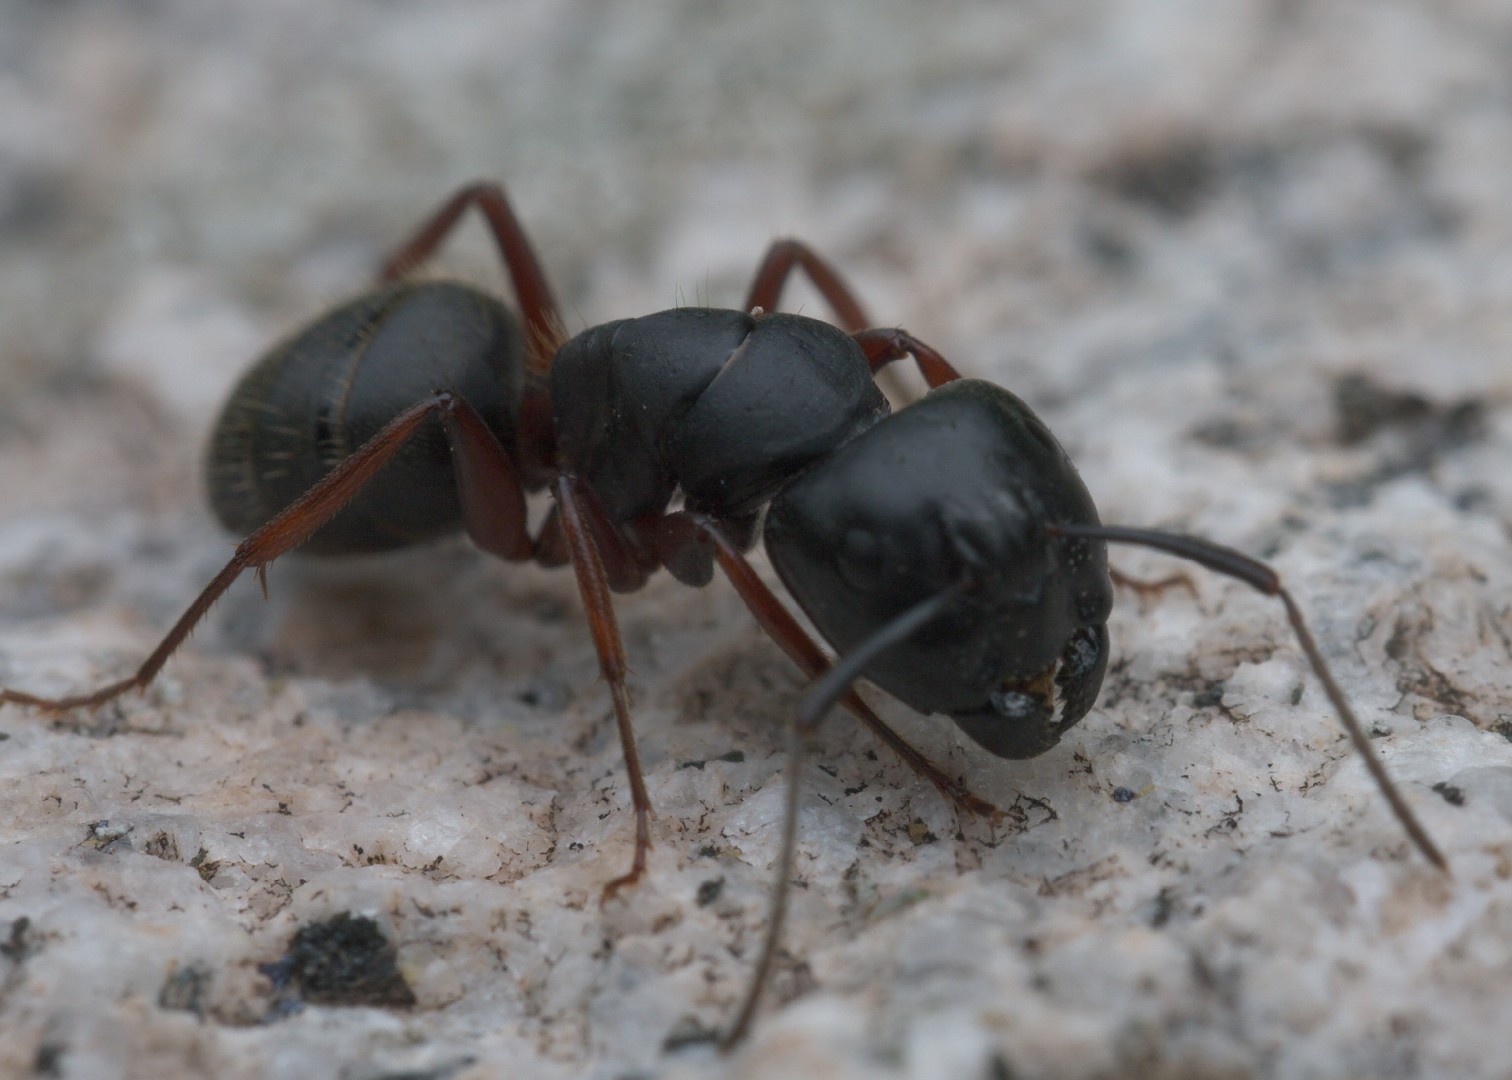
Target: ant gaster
[(949, 553)]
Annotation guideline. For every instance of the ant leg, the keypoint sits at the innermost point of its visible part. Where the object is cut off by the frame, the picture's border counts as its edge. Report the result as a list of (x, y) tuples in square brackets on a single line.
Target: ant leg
[(628, 563), (1257, 575), (544, 329), (785, 256), (829, 688), (676, 533), (496, 522), (882, 347), (1147, 591), (543, 321), (593, 585), (488, 485)]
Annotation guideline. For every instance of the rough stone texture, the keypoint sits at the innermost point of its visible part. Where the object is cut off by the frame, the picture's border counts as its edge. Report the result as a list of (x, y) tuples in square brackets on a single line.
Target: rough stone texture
[(1183, 230)]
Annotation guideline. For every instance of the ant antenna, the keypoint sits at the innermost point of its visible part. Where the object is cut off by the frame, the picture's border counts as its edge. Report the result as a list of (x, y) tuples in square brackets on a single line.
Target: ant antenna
[(1227, 561), (833, 684), (822, 695)]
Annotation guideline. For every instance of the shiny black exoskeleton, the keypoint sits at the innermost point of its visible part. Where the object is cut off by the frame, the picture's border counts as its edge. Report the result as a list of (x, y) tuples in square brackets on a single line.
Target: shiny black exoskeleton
[(870, 513), (950, 553), (313, 399), (719, 404), (958, 487)]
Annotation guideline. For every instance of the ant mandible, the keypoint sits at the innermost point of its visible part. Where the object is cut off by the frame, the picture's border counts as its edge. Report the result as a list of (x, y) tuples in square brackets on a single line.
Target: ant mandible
[(949, 553)]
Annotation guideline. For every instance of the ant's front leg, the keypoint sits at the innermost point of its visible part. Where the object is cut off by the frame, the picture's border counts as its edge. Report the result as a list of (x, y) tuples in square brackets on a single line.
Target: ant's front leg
[(882, 347)]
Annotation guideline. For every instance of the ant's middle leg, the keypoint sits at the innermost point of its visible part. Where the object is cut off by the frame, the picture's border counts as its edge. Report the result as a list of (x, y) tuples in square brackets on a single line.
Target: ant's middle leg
[(585, 528), (683, 539), (493, 506), (779, 263), (544, 329)]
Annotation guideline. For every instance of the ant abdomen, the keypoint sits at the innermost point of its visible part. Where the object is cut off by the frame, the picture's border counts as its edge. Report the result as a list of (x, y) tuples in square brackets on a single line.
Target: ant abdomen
[(317, 396)]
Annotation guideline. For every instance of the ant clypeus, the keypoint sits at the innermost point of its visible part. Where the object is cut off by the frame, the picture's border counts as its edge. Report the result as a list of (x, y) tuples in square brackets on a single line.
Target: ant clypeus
[(949, 553)]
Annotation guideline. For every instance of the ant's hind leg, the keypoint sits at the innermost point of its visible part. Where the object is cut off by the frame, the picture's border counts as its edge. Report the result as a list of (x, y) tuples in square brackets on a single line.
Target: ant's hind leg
[(538, 307), (496, 523)]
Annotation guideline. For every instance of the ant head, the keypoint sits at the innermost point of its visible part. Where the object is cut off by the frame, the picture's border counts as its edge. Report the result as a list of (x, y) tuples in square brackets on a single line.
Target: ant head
[(955, 492)]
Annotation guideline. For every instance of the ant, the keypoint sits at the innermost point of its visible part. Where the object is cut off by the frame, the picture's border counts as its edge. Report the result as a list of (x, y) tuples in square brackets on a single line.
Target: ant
[(949, 553)]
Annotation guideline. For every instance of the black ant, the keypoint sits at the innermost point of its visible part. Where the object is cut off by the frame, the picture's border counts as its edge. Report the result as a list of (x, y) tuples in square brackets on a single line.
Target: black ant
[(949, 553)]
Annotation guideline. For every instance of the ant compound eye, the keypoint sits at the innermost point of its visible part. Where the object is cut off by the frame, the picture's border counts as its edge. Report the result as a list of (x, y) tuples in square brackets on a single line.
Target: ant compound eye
[(860, 560)]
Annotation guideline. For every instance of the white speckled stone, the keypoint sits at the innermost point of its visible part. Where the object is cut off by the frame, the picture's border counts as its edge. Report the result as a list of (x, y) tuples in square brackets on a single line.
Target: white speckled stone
[(1172, 226)]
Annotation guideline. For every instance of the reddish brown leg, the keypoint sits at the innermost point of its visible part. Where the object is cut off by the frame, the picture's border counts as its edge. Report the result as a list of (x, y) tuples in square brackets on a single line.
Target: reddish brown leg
[(593, 584), (882, 347), (1147, 591), (494, 507), (488, 486), (785, 256), (679, 530), (543, 321), (628, 563)]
